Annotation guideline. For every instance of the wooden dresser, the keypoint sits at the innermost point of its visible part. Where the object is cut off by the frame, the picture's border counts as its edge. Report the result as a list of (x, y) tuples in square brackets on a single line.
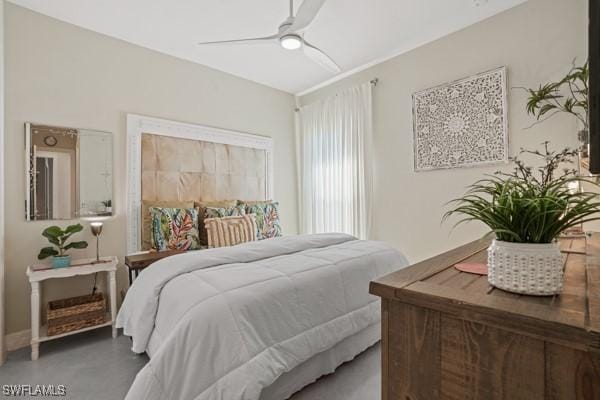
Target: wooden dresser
[(450, 335)]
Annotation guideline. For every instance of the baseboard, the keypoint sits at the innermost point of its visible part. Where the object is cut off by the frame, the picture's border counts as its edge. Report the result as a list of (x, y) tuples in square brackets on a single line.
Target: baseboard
[(17, 340)]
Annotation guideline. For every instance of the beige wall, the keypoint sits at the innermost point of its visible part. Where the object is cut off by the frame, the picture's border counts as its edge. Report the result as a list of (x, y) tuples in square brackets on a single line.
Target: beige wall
[(2, 189), (537, 41), (59, 74)]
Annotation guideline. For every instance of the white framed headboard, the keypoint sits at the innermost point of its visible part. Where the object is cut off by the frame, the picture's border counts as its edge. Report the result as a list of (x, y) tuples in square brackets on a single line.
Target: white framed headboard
[(137, 125)]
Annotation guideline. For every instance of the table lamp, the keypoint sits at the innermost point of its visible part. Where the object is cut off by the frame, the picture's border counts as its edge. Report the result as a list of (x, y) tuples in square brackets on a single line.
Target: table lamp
[(96, 227), (96, 224)]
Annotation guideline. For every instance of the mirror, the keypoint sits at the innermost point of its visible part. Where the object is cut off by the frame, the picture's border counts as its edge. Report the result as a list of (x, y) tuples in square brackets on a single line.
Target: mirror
[(69, 173)]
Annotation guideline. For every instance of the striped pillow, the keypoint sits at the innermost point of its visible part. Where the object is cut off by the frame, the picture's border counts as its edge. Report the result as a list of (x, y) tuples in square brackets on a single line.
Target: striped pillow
[(229, 231)]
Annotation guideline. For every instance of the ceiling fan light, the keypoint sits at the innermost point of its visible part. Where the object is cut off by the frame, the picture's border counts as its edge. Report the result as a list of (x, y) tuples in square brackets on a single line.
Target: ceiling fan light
[(290, 42)]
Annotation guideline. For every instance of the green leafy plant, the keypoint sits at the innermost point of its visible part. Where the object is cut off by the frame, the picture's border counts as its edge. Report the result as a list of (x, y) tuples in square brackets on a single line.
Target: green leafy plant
[(530, 205), (569, 95), (107, 203), (58, 237)]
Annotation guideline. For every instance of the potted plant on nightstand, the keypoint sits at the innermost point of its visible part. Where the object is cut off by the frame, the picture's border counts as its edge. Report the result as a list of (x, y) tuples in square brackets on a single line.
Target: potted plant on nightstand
[(527, 211), (58, 237)]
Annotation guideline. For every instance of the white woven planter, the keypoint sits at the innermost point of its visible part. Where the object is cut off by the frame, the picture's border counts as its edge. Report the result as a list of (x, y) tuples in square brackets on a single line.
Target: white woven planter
[(535, 269)]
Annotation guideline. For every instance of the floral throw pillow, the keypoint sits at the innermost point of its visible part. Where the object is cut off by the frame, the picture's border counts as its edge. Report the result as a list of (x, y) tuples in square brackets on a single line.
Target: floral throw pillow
[(267, 219), (220, 212), (174, 228)]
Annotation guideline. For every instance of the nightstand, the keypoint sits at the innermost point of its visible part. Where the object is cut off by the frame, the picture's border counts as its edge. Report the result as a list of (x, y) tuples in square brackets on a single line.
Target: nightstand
[(137, 262), (79, 267)]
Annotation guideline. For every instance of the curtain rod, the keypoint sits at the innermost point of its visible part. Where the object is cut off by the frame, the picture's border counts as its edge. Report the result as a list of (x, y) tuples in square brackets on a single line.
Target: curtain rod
[(373, 82)]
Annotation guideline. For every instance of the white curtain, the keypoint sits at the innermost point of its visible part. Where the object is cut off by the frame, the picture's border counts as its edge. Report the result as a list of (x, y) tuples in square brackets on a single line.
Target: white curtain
[(334, 141)]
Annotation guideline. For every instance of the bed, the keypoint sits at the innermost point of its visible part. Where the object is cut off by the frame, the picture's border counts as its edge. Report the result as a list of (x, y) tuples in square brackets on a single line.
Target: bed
[(257, 321)]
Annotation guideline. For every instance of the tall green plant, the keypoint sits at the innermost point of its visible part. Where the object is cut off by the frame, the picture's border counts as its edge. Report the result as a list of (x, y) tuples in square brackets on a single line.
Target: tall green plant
[(568, 95), (529, 205), (58, 237)]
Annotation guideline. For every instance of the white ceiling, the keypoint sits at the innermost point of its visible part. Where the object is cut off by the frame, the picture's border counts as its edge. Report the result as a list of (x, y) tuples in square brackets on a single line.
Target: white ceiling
[(356, 33)]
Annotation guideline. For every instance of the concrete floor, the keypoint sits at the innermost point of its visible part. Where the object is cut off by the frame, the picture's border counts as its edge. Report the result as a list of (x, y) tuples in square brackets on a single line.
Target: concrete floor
[(94, 366), (359, 379)]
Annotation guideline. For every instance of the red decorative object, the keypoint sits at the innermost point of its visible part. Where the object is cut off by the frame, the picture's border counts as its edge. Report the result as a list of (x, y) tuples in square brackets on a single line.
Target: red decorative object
[(480, 269)]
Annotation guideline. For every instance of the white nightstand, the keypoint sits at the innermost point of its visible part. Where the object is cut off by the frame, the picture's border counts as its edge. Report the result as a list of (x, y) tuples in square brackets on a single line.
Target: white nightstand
[(79, 267)]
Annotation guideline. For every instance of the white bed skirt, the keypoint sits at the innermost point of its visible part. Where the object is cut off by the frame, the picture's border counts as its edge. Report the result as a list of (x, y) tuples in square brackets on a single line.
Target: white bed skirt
[(322, 364)]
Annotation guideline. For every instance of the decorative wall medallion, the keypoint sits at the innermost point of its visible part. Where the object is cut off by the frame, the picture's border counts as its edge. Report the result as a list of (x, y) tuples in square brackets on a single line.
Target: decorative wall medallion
[(461, 124), (50, 141)]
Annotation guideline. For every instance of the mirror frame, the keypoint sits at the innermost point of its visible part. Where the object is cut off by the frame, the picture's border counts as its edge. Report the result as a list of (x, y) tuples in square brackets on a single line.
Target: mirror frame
[(28, 174)]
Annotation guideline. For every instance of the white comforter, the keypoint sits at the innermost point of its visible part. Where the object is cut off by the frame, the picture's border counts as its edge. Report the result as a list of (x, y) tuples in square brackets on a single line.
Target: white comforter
[(231, 320)]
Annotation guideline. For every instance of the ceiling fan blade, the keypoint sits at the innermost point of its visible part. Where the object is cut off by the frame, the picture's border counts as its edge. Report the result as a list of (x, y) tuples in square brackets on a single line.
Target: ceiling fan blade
[(318, 56), (306, 14), (243, 41)]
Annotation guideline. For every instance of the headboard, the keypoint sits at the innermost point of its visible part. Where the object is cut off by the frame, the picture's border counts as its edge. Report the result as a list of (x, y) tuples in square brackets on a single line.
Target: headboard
[(168, 160)]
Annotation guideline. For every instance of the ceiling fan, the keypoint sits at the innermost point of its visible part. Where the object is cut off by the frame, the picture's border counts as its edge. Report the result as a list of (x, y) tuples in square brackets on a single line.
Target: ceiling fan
[(290, 35)]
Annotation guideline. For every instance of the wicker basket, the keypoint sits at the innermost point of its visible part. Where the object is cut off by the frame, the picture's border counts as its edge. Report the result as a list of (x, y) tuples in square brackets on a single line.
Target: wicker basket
[(67, 315), (535, 269)]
